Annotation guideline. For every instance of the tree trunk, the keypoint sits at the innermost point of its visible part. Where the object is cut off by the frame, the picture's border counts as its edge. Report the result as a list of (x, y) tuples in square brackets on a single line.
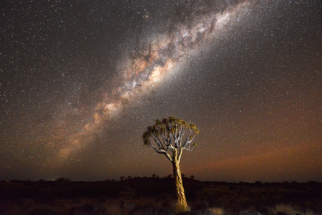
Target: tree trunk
[(179, 185)]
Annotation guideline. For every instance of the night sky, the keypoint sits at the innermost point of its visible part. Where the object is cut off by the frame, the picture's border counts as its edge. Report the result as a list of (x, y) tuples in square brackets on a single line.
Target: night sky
[(81, 80)]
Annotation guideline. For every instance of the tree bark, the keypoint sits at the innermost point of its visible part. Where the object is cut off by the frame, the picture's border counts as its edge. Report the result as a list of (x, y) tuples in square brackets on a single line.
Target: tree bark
[(178, 179)]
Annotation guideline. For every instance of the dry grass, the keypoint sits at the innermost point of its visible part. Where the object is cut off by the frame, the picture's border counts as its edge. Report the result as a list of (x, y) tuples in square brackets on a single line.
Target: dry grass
[(217, 211), (113, 206), (115, 209), (290, 209)]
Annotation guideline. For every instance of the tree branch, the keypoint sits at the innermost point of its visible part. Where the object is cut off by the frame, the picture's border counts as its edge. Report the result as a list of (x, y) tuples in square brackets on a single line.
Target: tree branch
[(156, 141), (161, 143), (181, 134), (190, 141), (188, 149), (165, 141), (187, 139), (160, 151)]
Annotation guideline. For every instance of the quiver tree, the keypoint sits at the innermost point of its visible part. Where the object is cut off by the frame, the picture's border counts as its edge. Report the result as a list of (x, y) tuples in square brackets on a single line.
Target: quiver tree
[(170, 137)]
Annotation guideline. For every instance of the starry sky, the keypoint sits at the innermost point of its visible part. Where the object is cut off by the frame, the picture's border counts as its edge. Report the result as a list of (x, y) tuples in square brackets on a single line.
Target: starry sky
[(81, 80)]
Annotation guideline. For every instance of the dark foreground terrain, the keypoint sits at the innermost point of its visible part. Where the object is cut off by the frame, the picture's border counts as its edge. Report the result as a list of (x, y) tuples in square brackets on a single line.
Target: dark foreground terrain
[(156, 196)]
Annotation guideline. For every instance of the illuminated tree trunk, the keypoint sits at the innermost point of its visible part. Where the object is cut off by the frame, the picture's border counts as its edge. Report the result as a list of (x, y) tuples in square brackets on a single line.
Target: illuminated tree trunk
[(179, 185)]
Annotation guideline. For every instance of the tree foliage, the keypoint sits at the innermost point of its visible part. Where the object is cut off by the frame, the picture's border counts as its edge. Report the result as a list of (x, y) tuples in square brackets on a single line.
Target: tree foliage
[(170, 134)]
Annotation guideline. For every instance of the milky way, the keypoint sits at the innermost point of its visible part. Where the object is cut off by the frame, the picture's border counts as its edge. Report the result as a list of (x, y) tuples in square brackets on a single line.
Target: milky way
[(150, 69)]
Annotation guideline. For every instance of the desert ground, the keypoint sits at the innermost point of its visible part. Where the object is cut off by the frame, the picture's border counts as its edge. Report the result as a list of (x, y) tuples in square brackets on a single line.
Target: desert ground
[(157, 195)]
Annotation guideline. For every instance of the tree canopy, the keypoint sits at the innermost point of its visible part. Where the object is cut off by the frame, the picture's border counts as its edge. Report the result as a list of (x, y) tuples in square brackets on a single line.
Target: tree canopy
[(170, 134)]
